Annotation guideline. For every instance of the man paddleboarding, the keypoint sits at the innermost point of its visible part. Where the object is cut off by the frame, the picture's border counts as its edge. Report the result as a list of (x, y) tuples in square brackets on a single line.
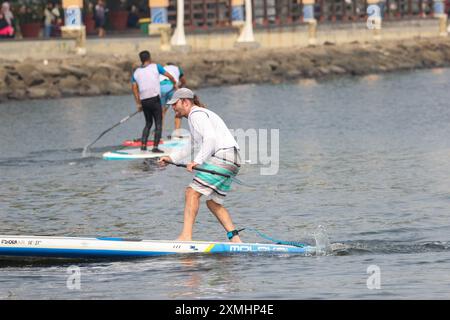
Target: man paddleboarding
[(218, 151), (167, 89), (146, 90)]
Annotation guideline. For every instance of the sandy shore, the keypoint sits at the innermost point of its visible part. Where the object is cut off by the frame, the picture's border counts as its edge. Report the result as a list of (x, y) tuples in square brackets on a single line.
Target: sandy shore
[(92, 75)]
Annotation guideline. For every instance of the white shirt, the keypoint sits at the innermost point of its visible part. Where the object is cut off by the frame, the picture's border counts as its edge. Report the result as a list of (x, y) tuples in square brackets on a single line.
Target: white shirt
[(209, 133), (50, 15), (174, 72), (147, 79)]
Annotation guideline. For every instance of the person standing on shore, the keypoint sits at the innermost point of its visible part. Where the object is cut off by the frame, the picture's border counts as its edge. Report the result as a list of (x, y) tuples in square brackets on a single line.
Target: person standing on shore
[(58, 11), (146, 90), (167, 88), (7, 14), (218, 151), (100, 11), (49, 19), (6, 31)]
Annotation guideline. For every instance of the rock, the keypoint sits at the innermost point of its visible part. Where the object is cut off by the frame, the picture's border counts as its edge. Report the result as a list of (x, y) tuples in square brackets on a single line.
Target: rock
[(18, 94), (66, 92), (70, 82), (110, 67), (323, 70), (38, 92), (49, 71), (213, 81), (30, 74), (117, 88), (337, 70), (93, 90), (431, 58), (76, 71), (194, 82), (125, 65), (307, 82), (293, 73), (230, 78), (35, 78), (14, 83), (4, 94), (125, 78), (53, 92), (99, 78), (106, 71), (69, 86), (274, 80), (232, 69), (27, 74), (3, 74), (273, 65)]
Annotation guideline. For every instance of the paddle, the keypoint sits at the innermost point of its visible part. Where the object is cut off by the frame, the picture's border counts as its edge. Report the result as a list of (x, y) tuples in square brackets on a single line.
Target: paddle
[(199, 169), (208, 171), (107, 130)]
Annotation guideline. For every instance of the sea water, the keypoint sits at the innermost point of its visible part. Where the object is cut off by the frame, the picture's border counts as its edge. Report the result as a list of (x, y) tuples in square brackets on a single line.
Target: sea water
[(366, 158)]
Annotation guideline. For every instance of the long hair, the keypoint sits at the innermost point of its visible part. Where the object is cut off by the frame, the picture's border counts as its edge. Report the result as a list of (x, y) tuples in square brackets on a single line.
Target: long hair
[(197, 102)]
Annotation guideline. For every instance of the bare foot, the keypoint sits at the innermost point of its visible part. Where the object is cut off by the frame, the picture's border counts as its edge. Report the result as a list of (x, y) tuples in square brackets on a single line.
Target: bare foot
[(184, 238)]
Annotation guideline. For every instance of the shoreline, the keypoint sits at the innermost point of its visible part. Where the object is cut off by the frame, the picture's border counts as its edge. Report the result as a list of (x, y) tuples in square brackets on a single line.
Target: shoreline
[(96, 75)]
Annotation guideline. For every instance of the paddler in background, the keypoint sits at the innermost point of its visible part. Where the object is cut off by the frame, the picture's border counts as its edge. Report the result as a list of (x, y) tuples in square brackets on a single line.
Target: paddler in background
[(218, 151), (167, 89), (146, 90)]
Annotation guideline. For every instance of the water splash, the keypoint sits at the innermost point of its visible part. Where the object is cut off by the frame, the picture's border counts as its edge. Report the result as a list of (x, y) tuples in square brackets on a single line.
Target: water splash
[(323, 246), (85, 153)]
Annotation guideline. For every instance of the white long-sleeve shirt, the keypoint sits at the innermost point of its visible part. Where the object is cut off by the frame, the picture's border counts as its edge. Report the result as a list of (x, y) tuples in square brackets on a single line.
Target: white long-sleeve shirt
[(209, 134)]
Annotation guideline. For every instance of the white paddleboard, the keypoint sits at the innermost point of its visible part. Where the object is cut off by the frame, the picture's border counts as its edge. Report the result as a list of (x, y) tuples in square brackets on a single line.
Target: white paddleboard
[(70, 247), (136, 153)]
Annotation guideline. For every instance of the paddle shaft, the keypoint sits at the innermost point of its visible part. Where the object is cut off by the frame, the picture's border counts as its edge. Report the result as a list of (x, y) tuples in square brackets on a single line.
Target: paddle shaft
[(107, 130), (200, 169)]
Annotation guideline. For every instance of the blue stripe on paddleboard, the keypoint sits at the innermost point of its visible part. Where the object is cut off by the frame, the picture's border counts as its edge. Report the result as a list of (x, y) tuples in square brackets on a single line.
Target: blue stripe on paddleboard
[(118, 239), (252, 248), (114, 158), (173, 144), (77, 253), (110, 239)]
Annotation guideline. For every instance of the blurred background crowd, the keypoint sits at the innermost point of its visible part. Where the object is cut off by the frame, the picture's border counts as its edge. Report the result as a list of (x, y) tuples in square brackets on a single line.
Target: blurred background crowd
[(44, 18)]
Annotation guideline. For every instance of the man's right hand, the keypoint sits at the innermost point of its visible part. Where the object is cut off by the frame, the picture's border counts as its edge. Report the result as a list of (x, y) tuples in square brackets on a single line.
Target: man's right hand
[(139, 107), (162, 161)]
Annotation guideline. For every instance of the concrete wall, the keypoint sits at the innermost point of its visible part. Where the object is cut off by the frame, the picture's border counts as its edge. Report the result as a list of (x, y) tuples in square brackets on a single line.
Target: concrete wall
[(123, 46), (36, 49), (336, 33), (274, 37), (285, 37)]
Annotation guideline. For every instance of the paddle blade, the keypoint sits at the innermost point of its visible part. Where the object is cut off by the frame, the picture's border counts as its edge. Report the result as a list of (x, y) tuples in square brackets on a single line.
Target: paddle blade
[(106, 131), (84, 154)]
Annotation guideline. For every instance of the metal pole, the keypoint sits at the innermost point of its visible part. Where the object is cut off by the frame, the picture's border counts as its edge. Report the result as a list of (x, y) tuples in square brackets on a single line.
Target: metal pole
[(247, 32), (179, 38)]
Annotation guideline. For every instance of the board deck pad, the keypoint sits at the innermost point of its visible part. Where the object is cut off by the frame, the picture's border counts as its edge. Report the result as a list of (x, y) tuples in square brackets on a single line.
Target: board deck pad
[(138, 143)]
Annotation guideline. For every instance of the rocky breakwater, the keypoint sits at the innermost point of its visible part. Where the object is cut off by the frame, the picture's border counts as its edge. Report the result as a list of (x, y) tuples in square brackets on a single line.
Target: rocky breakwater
[(105, 75), (59, 78)]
